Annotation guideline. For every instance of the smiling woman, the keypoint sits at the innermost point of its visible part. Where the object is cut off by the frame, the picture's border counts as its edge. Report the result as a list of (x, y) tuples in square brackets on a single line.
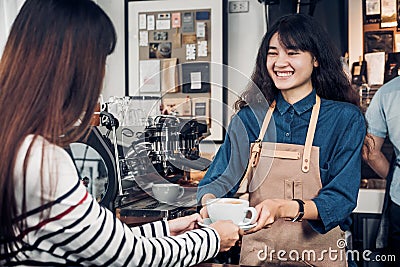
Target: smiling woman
[(300, 150), (290, 69)]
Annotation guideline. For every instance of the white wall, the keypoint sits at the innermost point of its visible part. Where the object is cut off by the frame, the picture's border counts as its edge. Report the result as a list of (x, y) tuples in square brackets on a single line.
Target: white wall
[(114, 83), (245, 31), (355, 30), (8, 12), (3, 31)]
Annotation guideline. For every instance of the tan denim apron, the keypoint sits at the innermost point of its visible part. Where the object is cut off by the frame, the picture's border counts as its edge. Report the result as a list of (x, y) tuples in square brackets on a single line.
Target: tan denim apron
[(288, 171)]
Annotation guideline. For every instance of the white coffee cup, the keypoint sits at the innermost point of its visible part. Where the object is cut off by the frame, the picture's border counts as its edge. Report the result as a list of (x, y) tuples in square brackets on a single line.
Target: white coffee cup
[(233, 209), (167, 193)]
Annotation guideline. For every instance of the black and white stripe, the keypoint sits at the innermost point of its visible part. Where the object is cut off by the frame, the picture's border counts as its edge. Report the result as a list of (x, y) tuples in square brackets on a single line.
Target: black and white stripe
[(88, 234)]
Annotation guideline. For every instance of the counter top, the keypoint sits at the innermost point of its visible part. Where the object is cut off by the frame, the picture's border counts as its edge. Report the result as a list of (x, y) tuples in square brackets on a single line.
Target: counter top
[(370, 201), (217, 265), (214, 265), (227, 265)]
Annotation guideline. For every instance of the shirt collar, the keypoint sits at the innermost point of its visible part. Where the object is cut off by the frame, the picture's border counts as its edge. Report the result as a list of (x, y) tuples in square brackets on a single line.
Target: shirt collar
[(299, 107)]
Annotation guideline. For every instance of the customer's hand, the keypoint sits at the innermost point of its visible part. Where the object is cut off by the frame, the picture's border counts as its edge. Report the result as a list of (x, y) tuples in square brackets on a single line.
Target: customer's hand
[(228, 232), (204, 212), (204, 199), (182, 224)]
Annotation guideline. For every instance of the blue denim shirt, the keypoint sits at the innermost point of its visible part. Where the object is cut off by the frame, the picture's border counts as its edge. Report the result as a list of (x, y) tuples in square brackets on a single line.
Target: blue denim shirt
[(339, 135)]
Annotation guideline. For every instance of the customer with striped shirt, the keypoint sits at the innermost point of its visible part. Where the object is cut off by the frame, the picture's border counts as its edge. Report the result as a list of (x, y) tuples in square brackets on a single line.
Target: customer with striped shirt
[(51, 74)]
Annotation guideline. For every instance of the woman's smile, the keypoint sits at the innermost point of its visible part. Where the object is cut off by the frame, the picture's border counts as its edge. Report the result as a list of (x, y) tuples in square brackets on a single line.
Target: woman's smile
[(284, 74)]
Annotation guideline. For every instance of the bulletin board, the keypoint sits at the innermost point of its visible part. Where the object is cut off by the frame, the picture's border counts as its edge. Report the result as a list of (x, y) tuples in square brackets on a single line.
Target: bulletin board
[(175, 51)]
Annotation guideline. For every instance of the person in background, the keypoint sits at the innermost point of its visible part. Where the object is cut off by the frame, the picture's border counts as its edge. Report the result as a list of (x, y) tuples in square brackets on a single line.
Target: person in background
[(383, 120), (51, 76), (307, 154)]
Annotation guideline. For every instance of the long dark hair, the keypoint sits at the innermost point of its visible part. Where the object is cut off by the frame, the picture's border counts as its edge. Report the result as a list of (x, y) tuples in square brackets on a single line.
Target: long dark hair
[(51, 75), (306, 34)]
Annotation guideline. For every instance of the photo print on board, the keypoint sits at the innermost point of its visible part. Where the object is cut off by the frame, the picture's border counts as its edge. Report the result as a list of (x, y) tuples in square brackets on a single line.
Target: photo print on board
[(160, 50), (160, 36)]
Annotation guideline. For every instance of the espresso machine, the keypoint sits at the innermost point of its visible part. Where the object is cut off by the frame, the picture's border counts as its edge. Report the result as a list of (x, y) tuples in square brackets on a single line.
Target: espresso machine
[(120, 175), (164, 152), (169, 145)]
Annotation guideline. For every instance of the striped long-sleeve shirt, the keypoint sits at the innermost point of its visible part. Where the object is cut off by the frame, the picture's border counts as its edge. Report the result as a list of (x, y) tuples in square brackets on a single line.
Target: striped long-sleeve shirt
[(78, 231)]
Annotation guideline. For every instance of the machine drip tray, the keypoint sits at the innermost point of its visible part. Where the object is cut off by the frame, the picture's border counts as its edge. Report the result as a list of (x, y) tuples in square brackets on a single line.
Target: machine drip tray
[(150, 209)]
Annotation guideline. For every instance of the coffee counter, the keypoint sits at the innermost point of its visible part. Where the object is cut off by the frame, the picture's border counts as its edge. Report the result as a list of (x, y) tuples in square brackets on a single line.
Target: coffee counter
[(215, 265), (224, 265)]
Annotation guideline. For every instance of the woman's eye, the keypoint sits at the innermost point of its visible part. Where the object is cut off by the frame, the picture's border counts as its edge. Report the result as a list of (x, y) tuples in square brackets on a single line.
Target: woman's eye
[(272, 53)]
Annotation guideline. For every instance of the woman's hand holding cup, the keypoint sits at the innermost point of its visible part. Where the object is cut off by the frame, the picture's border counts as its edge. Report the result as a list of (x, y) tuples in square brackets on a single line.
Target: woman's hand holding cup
[(228, 232), (204, 200), (181, 225)]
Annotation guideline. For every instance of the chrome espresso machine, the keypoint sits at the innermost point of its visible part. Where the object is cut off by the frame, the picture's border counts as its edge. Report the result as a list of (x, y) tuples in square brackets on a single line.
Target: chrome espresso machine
[(165, 150), (169, 145)]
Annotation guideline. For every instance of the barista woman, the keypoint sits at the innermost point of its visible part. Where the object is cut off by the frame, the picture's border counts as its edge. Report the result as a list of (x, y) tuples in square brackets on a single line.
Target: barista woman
[(51, 76), (305, 165)]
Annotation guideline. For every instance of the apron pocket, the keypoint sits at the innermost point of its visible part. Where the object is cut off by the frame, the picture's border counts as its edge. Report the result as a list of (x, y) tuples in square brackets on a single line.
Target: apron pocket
[(298, 189), (293, 189), (288, 189)]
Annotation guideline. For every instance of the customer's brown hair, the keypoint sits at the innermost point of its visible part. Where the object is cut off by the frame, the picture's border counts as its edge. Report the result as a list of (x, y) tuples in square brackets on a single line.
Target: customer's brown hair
[(51, 75)]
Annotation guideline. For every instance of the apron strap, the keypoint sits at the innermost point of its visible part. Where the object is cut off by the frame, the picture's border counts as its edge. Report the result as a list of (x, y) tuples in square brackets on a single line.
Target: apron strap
[(255, 154), (310, 134), (266, 121), (255, 150)]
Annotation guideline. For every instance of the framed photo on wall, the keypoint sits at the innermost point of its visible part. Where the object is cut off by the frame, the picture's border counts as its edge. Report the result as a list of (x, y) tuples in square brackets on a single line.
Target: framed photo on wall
[(388, 13), (378, 41), (372, 11)]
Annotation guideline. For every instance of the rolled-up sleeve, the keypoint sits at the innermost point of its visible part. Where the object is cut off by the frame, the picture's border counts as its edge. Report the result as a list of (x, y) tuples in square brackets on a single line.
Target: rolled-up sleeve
[(226, 171), (338, 196)]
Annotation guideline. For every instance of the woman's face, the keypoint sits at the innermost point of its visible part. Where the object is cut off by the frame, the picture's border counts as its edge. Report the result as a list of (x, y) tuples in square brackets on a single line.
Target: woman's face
[(289, 68)]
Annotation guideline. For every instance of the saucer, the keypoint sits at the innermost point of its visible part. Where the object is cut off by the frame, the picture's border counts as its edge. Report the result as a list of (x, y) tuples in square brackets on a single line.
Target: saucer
[(247, 226), (207, 221)]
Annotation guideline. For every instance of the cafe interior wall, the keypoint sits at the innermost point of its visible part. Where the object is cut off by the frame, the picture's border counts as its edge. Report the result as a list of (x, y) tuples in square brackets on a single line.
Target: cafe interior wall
[(8, 11), (241, 44), (241, 52)]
